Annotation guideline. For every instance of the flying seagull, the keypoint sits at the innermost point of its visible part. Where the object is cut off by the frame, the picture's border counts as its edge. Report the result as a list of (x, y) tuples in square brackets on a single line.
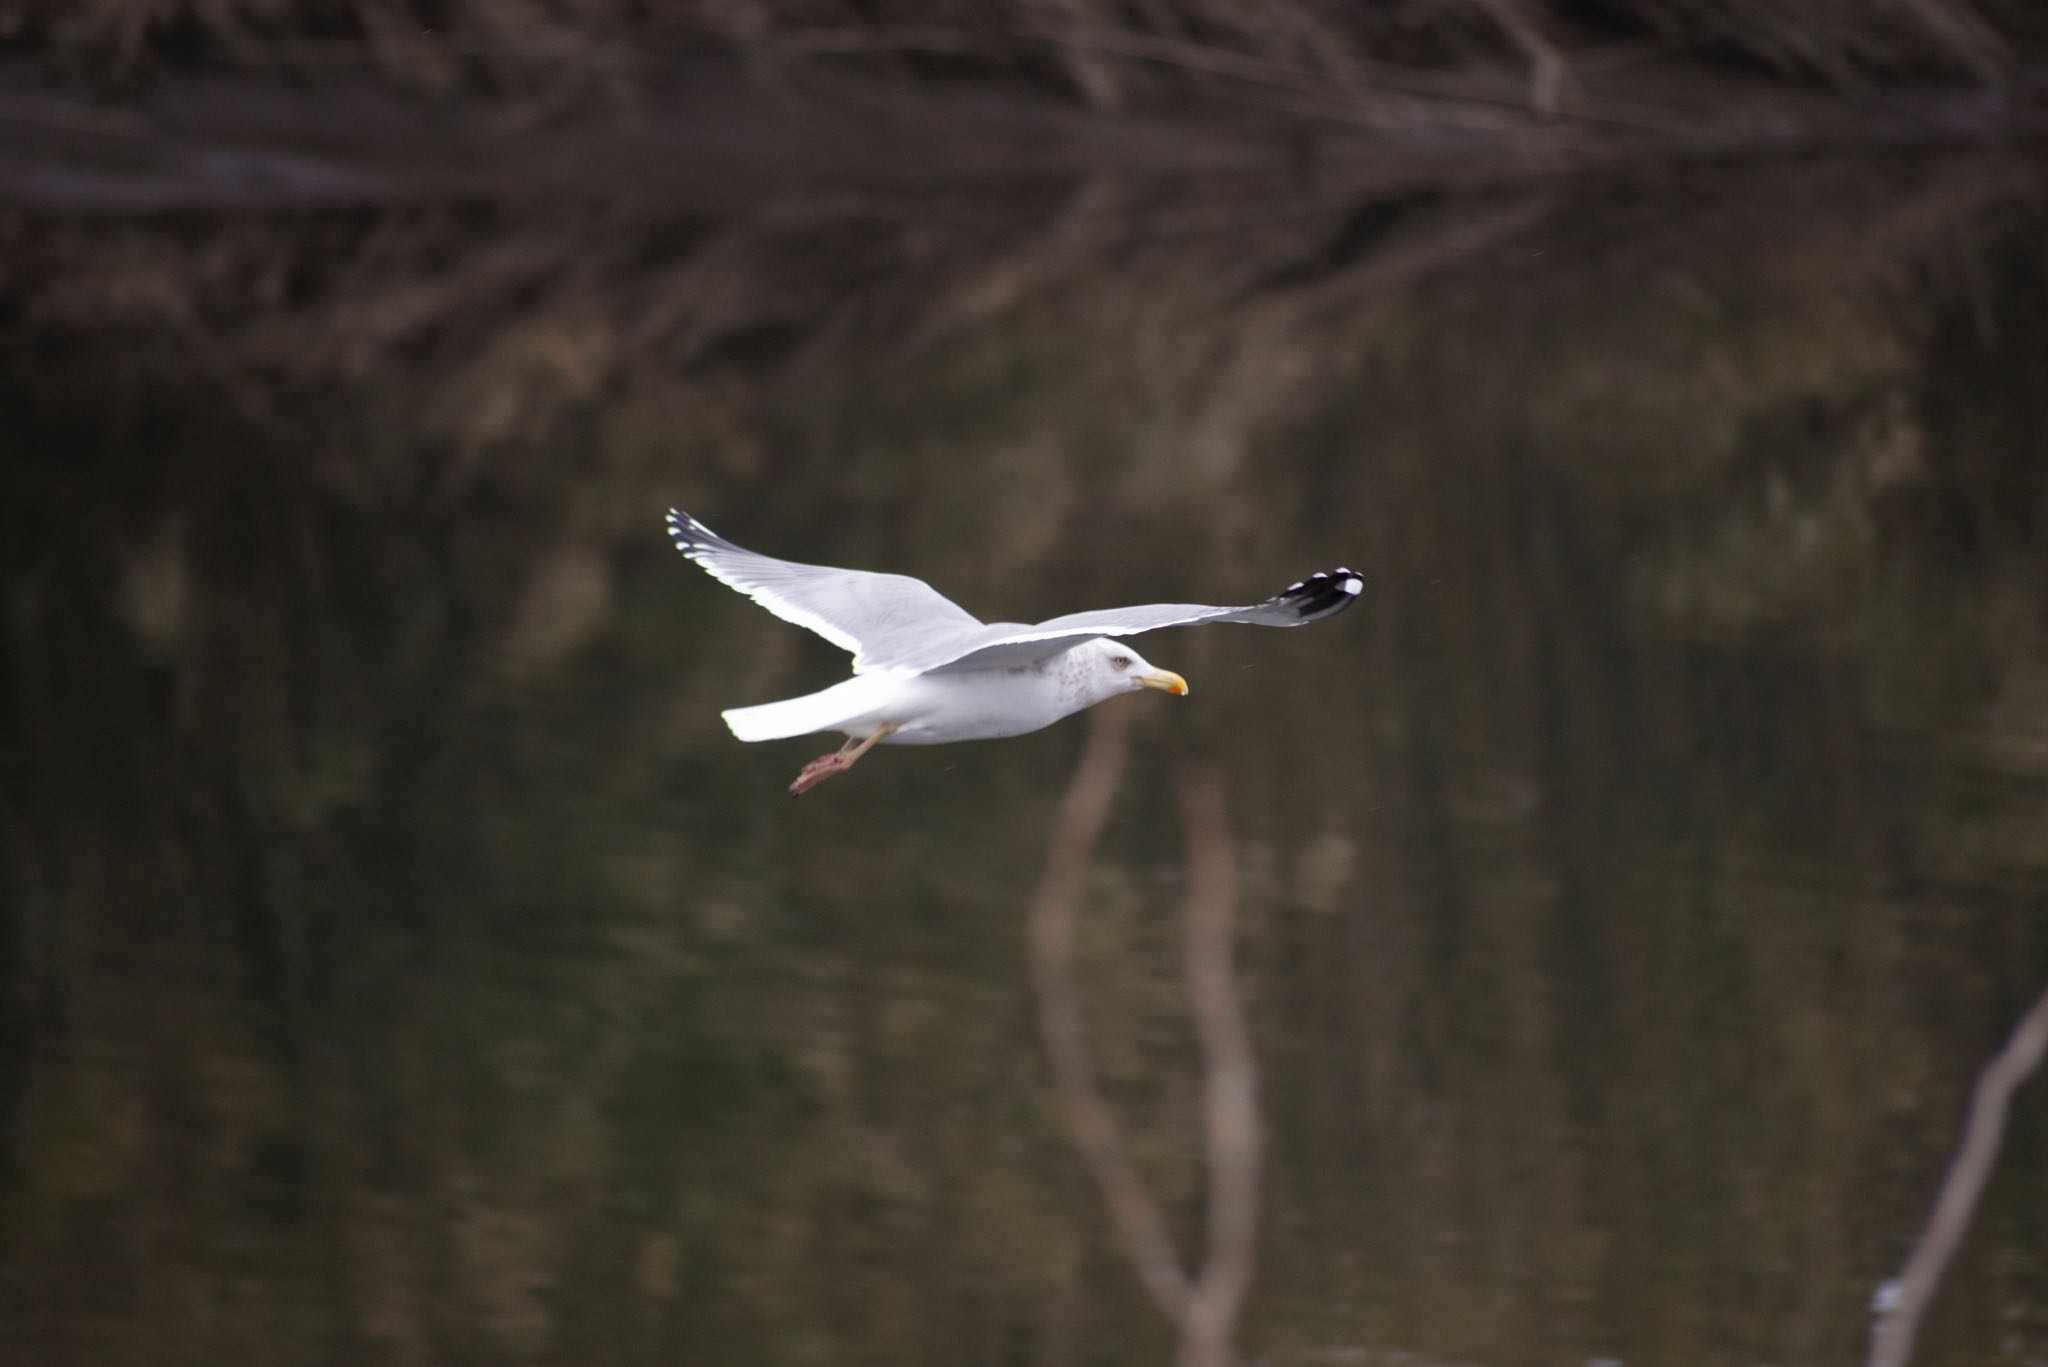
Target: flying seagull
[(925, 671)]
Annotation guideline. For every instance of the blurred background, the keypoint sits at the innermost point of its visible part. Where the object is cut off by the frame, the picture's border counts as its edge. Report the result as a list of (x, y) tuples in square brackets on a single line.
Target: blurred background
[(402, 964)]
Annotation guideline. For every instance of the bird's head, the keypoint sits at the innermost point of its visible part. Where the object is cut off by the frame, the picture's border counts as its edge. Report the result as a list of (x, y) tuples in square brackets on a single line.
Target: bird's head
[(1126, 671)]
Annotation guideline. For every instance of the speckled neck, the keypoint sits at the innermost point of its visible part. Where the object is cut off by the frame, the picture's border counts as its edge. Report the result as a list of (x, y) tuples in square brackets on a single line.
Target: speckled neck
[(1081, 679)]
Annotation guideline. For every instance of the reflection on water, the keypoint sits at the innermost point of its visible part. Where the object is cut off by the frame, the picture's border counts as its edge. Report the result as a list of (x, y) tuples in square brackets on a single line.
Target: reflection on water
[(403, 965)]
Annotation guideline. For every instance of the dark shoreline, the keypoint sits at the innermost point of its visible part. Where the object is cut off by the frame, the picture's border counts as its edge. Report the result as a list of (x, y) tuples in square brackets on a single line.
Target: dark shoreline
[(716, 139)]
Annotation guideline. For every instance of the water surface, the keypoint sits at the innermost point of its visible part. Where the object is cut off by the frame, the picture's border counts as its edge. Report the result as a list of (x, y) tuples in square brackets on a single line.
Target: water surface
[(404, 966)]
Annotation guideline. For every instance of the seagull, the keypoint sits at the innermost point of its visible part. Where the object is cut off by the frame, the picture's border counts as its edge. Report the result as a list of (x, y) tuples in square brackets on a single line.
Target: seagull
[(928, 672)]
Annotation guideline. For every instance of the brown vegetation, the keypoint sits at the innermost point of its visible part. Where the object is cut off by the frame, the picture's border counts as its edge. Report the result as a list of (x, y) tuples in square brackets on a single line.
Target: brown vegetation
[(1106, 53), (1450, 77)]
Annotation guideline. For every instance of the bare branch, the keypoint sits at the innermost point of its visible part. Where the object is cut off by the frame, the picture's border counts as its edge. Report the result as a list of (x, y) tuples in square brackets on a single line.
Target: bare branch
[(1907, 1298), (1548, 69)]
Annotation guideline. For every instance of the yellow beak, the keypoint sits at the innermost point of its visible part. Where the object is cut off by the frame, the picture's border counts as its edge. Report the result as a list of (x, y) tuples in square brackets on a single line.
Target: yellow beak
[(1166, 681)]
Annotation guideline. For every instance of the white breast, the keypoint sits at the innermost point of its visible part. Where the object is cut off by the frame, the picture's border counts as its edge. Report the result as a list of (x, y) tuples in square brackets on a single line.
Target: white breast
[(981, 704)]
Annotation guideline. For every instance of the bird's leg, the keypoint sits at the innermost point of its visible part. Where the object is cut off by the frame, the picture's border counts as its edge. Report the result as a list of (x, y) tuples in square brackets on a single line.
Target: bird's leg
[(824, 766)]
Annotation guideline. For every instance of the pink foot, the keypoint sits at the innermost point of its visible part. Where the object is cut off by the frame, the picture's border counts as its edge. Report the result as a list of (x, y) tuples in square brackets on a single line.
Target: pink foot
[(824, 766), (816, 772)]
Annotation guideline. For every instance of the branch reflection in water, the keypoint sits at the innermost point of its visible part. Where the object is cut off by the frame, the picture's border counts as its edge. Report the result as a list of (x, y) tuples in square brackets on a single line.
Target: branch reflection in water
[(1903, 1301), (1203, 1309)]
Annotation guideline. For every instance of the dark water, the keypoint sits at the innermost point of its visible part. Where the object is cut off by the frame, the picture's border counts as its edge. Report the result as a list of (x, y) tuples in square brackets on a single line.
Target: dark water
[(402, 964)]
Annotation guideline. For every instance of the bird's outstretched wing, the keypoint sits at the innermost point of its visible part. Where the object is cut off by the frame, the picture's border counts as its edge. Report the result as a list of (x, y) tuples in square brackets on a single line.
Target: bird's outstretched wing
[(1323, 594), (884, 619)]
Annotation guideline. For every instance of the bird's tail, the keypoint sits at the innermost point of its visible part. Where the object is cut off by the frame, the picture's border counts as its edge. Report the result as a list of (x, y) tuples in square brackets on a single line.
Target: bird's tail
[(824, 711)]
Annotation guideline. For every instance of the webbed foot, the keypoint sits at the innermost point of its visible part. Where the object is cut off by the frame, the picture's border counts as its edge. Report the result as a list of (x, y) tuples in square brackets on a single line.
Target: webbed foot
[(824, 766)]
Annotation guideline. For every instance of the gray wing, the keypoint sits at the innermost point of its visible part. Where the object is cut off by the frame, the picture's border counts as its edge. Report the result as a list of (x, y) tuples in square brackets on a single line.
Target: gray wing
[(1323, 594), (884, 619)]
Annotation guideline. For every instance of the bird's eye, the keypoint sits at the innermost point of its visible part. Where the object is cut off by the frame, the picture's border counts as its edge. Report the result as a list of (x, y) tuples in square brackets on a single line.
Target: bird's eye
[(1120, 661)]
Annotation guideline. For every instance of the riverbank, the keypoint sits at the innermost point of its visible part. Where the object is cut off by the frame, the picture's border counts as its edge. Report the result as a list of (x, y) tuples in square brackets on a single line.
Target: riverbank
[(718, 127)]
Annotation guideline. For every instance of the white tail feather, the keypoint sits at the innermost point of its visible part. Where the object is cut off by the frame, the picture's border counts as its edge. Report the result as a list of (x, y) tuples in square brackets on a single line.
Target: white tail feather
[(823, 711)]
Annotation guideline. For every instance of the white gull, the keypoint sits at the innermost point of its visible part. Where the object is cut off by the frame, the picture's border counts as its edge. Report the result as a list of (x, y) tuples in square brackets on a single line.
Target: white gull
[(926, 671)]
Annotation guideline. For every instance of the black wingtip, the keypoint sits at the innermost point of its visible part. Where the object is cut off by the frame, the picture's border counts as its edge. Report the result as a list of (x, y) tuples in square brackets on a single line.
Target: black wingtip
[(690, 535), (1323, 594)]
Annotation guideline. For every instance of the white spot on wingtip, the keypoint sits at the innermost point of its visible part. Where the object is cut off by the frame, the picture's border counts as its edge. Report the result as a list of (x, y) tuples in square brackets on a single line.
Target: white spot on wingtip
[(1352, 586)]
